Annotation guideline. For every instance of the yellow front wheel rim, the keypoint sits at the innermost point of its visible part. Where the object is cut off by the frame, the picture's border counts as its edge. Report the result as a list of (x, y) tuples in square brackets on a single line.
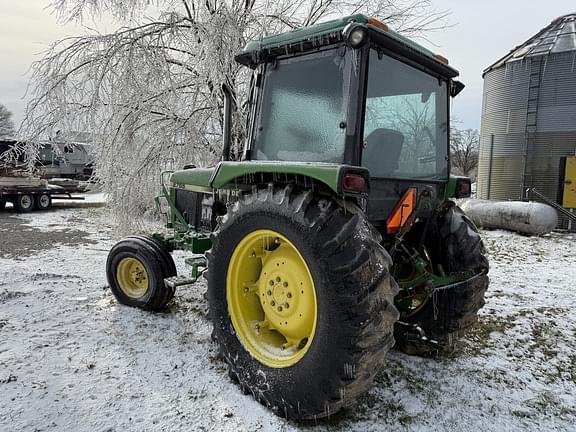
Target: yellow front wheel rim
[(132, 277), (271, 298)]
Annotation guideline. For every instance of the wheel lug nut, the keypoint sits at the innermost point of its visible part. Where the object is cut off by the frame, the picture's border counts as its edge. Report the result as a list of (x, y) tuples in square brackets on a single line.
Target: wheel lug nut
[(277, 278), (272, 303), (285, 284), (279, 308), (269, 292), (246, 289), (289, 295), (271, 282), (286, 305)]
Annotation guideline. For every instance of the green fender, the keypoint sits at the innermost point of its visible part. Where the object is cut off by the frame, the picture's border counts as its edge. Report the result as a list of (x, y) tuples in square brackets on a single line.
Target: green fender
[(229, 175)]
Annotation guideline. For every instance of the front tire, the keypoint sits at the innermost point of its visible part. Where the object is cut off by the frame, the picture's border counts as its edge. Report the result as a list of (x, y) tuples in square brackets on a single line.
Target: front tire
[(136, 268), (322, 349), (454, 244)]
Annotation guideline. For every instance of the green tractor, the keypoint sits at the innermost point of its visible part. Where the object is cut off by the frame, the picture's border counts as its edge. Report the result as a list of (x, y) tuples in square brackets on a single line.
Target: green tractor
[(330, 237)]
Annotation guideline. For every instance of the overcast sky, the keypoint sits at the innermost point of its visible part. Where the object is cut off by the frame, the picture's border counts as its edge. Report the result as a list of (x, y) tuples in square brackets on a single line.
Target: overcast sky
[(483, 32)]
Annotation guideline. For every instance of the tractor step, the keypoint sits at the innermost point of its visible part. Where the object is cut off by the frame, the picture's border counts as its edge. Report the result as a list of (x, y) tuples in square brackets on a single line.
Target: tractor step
[(198, 265), (176, 281)]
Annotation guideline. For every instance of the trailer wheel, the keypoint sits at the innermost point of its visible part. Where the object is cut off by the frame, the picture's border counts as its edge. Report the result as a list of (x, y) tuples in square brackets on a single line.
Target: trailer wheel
[(136, 268), (301, 300), (24, 203), (43, 201)]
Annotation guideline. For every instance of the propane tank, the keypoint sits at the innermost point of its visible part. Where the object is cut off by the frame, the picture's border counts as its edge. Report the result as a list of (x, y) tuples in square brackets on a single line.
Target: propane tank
[(525, 217)]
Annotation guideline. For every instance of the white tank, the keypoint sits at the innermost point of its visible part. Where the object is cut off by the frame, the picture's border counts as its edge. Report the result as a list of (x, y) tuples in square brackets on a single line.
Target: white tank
[(524, 217)]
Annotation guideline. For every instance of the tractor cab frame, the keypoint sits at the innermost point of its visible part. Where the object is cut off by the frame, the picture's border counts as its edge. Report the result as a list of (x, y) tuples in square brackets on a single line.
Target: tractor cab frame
[(363, 97)]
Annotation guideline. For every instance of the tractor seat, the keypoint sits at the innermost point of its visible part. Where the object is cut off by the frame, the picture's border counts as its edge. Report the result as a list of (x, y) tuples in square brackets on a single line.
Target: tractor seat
[(381, 154)]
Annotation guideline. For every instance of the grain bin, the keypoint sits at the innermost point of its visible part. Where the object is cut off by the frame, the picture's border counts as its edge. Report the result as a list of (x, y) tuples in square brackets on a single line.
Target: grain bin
[(529, 115)]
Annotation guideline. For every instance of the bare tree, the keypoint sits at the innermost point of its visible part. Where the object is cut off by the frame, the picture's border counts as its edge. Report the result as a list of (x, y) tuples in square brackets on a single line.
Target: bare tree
[(6, 124), (149, 92), (464, 146)]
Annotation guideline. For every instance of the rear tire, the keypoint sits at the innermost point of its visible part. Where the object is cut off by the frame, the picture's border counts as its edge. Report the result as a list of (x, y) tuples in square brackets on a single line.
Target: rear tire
[(43, 201), (24, 203), (354, 309), (136, 268), (455, 244)]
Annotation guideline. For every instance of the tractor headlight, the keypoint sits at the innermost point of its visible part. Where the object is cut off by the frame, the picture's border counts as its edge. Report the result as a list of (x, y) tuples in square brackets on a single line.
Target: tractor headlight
[(356, 35)]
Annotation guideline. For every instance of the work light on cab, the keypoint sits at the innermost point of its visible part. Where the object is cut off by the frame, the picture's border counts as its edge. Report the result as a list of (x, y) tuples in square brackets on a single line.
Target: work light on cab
[(356, 35)]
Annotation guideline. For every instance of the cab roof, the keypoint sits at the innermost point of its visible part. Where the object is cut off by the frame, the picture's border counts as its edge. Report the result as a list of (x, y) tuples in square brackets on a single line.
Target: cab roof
[(330, 32)]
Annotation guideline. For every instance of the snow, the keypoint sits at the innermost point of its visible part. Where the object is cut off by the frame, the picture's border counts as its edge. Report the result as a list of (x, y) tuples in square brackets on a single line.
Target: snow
[(71, 358)]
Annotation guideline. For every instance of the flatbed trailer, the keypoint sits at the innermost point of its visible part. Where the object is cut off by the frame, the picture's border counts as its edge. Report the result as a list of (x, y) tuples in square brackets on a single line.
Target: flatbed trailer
[(36, 196)]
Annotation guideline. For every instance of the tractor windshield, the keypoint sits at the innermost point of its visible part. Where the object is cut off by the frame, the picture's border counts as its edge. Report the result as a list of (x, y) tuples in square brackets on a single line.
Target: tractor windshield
[(406, 121), (303, 108)]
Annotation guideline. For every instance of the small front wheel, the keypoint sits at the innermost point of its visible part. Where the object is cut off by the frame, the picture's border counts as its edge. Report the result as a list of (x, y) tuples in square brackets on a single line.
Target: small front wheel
[(43, 201), (136, 269), (24, 203)]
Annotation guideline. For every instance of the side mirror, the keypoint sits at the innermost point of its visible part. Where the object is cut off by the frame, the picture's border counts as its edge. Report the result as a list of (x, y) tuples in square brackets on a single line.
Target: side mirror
[(455, 88)]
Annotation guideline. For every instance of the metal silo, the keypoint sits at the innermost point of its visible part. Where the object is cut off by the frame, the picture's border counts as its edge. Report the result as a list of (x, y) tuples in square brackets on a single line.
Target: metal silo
[(529, 115)]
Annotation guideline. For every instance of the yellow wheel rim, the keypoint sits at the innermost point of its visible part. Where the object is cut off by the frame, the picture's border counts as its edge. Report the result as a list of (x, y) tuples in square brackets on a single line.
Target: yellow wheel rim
[(271, 299), (132, 277)]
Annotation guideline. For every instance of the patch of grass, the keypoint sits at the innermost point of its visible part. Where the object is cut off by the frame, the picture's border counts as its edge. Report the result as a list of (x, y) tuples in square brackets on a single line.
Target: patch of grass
[(370, 404), (572, 367), (544, 337), (478, 337), (521, 414), (547, 402), (184, 305), (406, 420), (551, 311)]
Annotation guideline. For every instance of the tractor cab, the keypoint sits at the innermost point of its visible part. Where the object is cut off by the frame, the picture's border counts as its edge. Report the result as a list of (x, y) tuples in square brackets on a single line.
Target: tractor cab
[(353, 92)]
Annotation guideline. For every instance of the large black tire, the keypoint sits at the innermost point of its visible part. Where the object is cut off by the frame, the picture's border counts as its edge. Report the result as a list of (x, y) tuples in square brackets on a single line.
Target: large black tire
[(149, 255), (43, 201), (24, 203), (354, 290), (455, 244)]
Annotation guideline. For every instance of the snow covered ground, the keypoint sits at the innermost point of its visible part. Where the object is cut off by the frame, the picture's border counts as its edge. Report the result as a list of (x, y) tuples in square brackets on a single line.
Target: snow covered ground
[(72, 359)]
